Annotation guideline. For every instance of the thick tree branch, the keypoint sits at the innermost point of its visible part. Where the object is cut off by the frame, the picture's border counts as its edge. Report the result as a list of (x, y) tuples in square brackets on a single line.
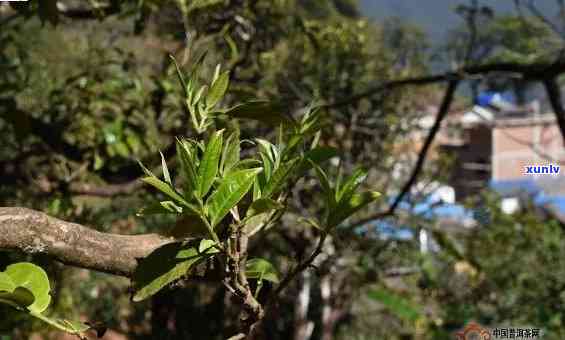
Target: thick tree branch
[(90, 13), (32, 232), (108, 190), (531, 72)]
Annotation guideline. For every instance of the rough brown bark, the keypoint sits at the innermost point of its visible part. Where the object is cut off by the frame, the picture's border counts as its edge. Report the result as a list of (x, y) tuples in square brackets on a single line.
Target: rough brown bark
[(32, 232)]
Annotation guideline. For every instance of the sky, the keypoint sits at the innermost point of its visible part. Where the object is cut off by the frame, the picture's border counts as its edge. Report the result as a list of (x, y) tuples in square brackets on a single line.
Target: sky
[(437, 16)]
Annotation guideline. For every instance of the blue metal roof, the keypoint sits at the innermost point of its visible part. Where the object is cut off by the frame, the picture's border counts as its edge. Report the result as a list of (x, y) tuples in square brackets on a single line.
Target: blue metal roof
[(515, 187), (430, 208)]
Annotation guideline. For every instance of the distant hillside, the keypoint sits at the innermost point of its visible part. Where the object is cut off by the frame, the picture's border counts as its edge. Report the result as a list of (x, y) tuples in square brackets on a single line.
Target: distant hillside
[(437, 16)]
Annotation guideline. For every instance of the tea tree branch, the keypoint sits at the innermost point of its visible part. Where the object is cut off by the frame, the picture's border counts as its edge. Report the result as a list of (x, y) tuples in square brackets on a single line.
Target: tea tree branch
[(31, 231)]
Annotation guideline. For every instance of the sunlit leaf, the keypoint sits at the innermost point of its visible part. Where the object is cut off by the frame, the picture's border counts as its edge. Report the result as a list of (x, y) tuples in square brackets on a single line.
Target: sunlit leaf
[(179, 74), (209, 165), (207, 246), (256, 222), (280, 177), (6, 283), (166, 174), (218, 89), (311, 222), (262, 205), (145, 170), (245, 164), (164, 207), (261, 269), (166, 189), (231, 152), (350, 185), (326, 185), (34, 279), (231, 190), (188, 167)]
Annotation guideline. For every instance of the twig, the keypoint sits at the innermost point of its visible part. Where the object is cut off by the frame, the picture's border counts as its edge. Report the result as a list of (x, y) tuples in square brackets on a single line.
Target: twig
[(301, 267), (442, 113)]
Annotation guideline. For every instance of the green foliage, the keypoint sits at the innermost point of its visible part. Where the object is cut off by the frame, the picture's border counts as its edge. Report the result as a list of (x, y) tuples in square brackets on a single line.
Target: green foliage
[(261, 269), (12, 294), (229, 193), (261, 110), (164, 266), (209, 165), (396, 304), (216, 182), (341, 199), (25, 287), (35, 280)]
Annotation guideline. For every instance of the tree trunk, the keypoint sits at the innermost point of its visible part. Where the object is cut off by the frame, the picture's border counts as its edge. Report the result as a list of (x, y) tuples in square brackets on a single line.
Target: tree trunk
[(302, 326), (328, 317)]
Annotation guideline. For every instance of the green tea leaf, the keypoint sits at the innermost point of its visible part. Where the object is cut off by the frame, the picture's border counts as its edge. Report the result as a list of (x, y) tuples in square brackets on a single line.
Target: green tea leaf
[(245, 164), (311, 222), (207, 246), (262, 205), (397, 304), (261, 269), (199, 94), (325, 183), (164, 207), (231, 190), (166, 189), (34, 279), (231, 153), (317, 156), (348, 208), (6, 283), (256, 222), (166, 174), (279, 178), (350, 185), (261, 110), (188, 167), (218, 89), (162, 267), (209, 165), (20, 297), (77, 327), (145, 170), (179, 74)]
